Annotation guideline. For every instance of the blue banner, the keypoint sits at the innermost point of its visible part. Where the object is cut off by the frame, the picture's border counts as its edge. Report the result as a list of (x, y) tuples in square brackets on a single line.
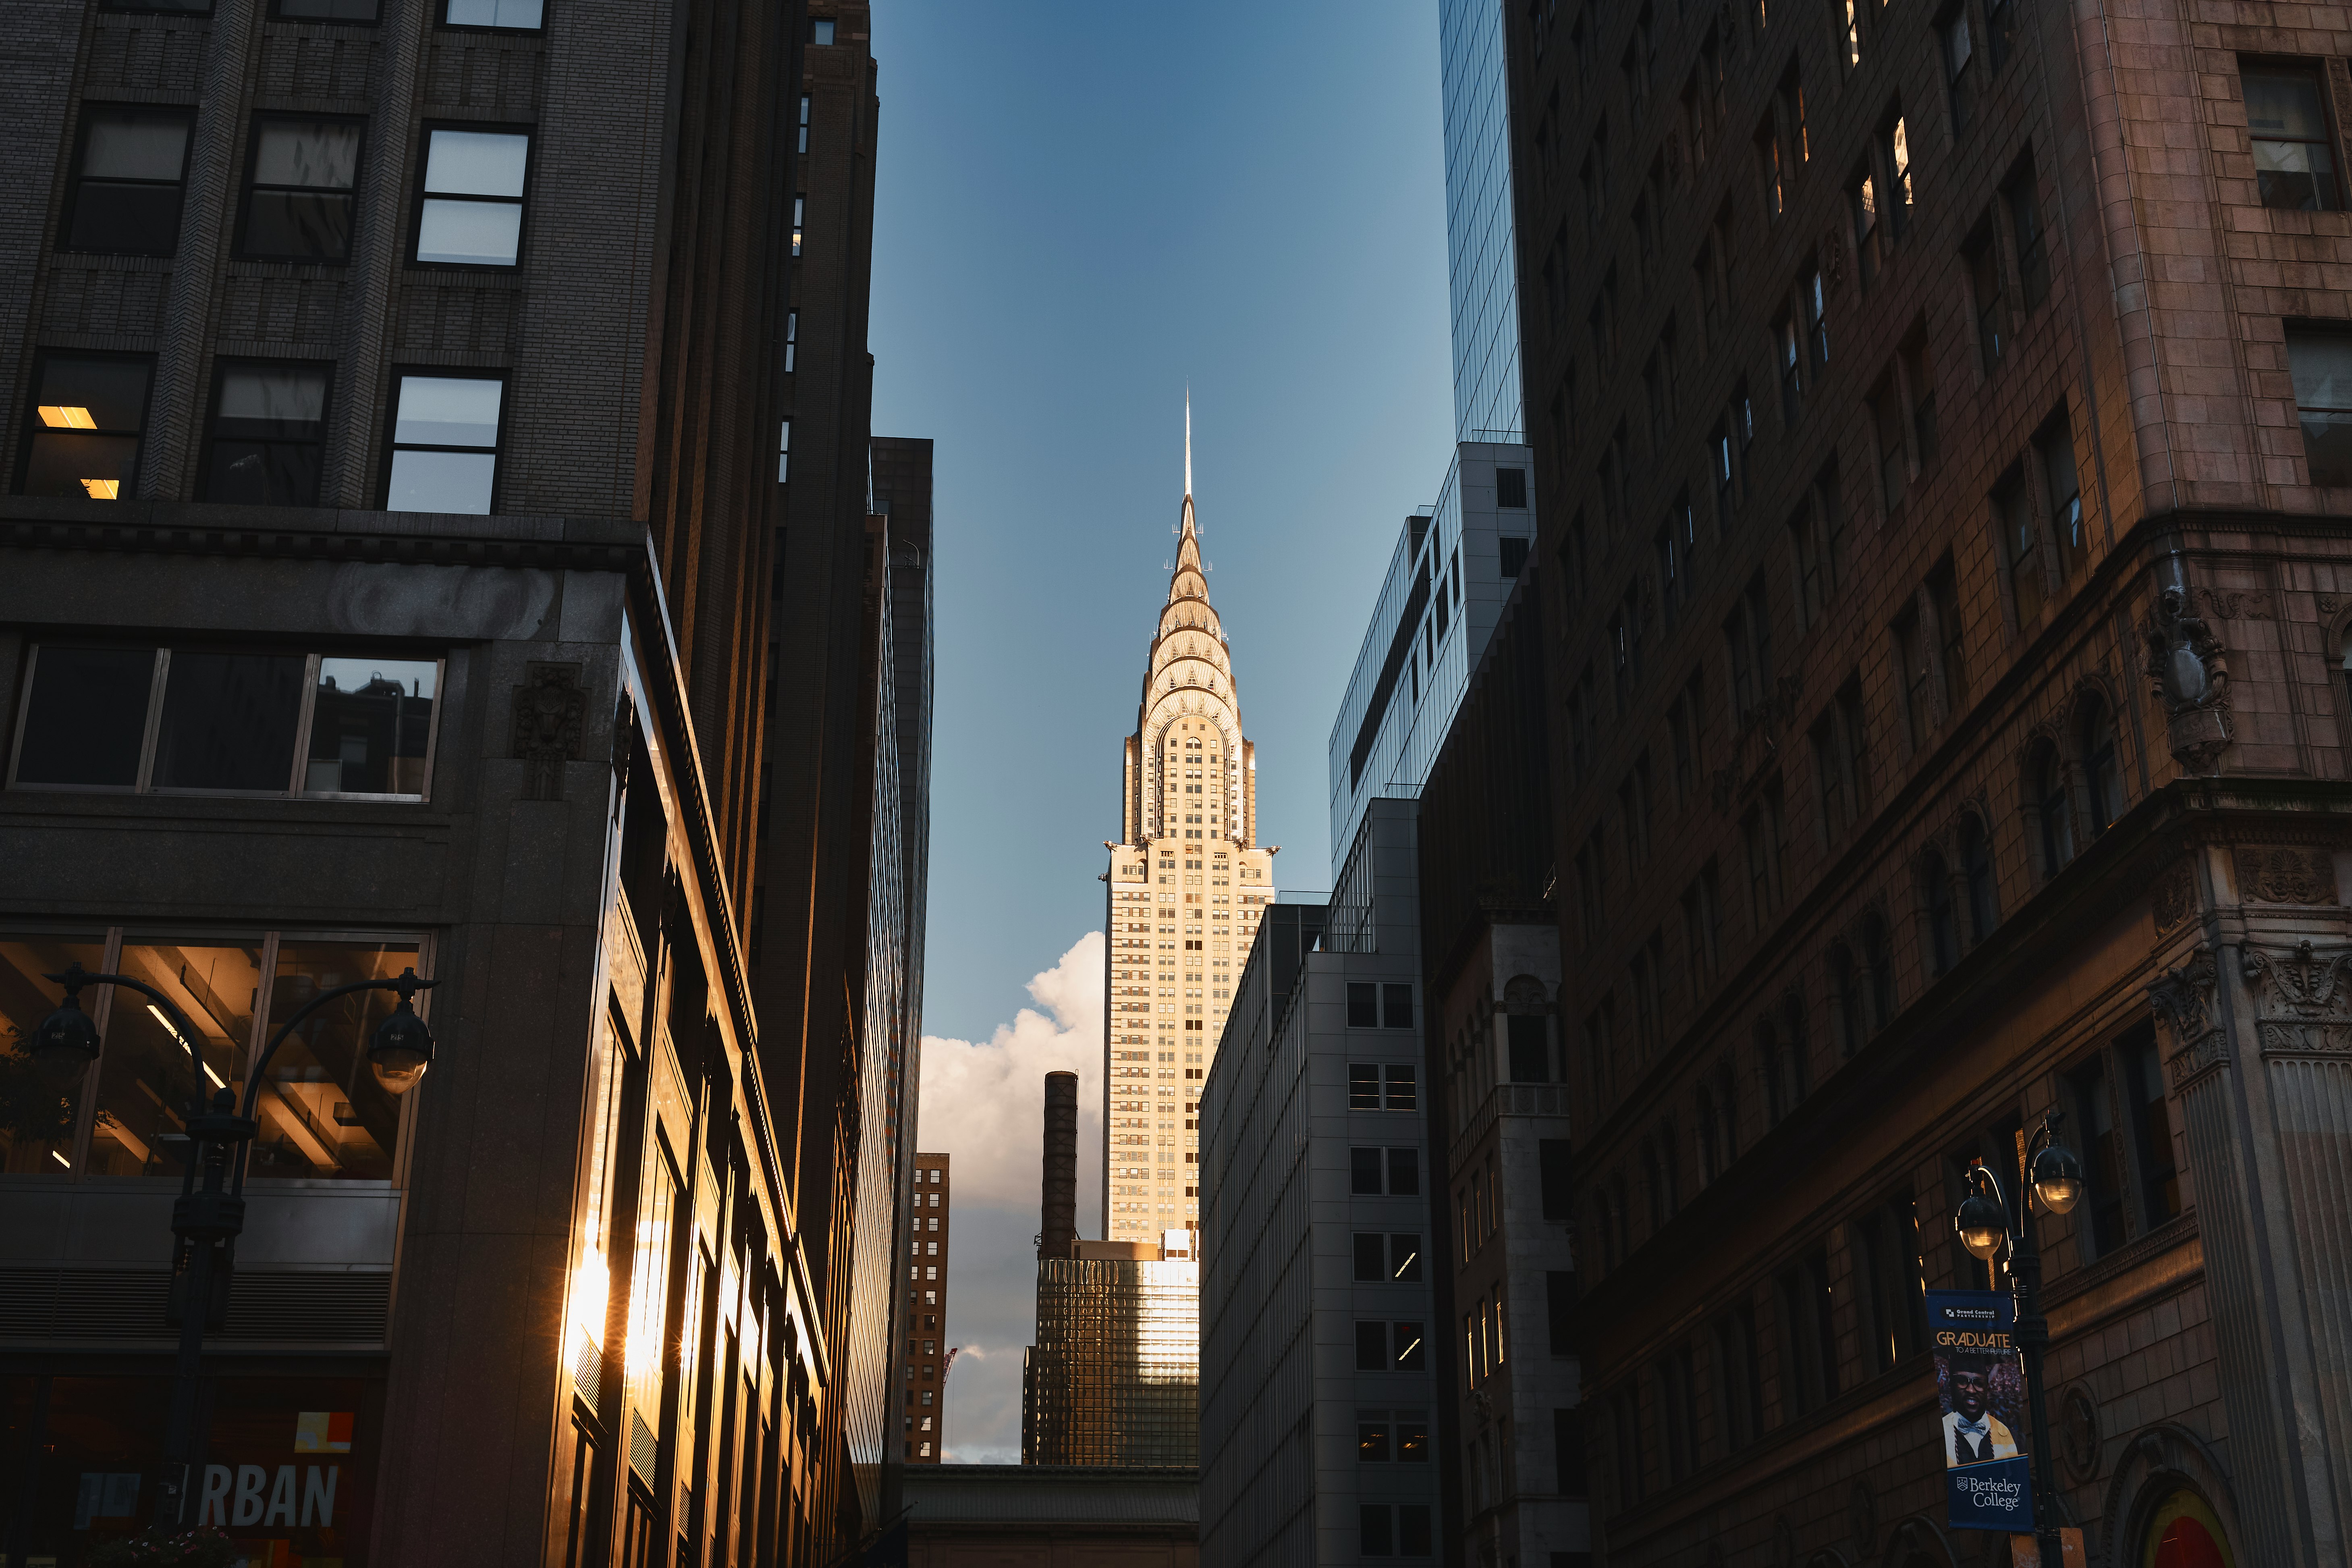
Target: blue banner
[(1981, 1410)]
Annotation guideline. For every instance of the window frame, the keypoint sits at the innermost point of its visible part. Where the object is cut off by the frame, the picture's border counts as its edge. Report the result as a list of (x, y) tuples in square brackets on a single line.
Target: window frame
[(2330, 139), (392, 445), (247, 187), (278, 13), (78, 179), (32, 424), (222, 365), (419, 194), (143, 785), (441, 21)]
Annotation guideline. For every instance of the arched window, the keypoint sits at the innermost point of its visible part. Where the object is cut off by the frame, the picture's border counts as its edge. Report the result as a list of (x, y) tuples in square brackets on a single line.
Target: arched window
[(2047, 780), (1846, 1001), (1976, 867), (2103, 781), (1879, 965), (1943, 919)]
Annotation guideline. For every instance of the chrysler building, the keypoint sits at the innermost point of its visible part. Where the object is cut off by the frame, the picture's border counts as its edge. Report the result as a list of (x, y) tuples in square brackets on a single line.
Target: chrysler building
[(1186, 886)]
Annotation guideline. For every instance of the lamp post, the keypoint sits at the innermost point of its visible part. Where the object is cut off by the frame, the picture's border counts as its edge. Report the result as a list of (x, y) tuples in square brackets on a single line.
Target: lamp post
[(220, 1132), (2054, 1176)]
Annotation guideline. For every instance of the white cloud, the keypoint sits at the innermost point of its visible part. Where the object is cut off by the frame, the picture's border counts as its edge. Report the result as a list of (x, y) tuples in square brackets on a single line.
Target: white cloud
[(984, 1104)]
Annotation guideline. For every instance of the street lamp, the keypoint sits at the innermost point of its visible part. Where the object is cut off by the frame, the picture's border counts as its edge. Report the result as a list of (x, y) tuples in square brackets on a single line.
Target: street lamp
[(220, 1135), (2056, 1177)]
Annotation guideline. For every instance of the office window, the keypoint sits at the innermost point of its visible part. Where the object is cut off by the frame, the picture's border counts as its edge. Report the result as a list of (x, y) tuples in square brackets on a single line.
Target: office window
[(127, 181), (784, 451), (1364, 1169), (507, 16), (1790, 355), (2126, 1131), (268, 434), (471, 214), (2102, 783), (1363, 1086), (1372, 1430), (1976, 870), (2032, 241), (1511, 488), (1371, 1255), (297, 203), (1862, 201), (791, 339), (1895, 157), (2294, 155), (1404, 1091), (1530, 1047), (1943, 915), (231, 720), (83, 425), (1363, 1005), (1809, 1339), (1919, 377), (1959, 61), (1513, 558), (819, 29), (1952, 650), (446, 435), (1396, 1006), (800, 216), (2020, 543), (1889, 1268), (1990, 297), (1404, 1258), (1405, 1340), (1894, 462), (2063, 488), (804, 123), (1404, 1172), (1916, 678), (2322, 365), (1813, 300), (2047, 780)]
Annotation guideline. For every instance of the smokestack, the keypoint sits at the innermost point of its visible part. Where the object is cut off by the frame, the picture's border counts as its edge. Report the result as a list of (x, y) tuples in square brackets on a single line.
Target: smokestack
[(1059, 1235)]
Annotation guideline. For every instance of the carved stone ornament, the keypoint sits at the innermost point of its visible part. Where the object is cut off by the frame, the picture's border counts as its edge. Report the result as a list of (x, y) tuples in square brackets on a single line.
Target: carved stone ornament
[(549, 706), (2191, 680), (2303, 998), (2328, 605), (2182, 999), (2276, 876), (2175, 895)]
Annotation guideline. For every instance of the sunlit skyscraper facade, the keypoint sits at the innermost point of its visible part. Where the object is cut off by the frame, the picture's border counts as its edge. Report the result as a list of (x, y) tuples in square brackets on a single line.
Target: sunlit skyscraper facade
[(1482, 274)]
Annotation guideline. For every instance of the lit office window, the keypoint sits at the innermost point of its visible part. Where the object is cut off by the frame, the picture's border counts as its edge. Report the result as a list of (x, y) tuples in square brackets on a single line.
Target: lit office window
[(445, 432), (127, 181), (270, 424), (86, 416), (471, 211), (298, 201)]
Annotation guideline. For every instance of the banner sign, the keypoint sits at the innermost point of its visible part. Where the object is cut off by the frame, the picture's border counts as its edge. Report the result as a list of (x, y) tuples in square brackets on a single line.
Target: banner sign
[(1981, 1404)]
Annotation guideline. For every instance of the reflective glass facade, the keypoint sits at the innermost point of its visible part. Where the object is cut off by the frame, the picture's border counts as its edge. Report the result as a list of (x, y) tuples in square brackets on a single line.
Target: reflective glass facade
[(1114, 1376), (1453, 567), (1483, 277)]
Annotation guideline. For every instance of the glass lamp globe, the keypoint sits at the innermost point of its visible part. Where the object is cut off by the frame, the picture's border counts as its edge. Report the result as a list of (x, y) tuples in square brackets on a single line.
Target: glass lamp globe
[(1983, 1225), (2058, 1178), (401, 1050), (64, 1045)]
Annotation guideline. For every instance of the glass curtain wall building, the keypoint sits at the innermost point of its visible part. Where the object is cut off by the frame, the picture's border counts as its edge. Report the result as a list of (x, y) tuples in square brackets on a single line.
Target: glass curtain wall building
[(1481, 239), (1451, 571), (1114, 1377)]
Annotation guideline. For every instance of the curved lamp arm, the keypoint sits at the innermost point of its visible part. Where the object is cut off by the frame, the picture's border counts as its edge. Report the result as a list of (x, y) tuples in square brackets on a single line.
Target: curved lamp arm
[(408, 986), (76, 977)]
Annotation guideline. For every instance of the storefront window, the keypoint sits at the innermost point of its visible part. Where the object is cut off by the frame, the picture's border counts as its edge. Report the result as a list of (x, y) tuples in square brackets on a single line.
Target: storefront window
[(292, 1477), (36, 1120)]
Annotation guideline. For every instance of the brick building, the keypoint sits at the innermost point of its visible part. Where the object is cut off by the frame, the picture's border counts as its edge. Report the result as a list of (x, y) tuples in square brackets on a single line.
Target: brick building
[(923, 1419), (391, 560), (1939, 423)]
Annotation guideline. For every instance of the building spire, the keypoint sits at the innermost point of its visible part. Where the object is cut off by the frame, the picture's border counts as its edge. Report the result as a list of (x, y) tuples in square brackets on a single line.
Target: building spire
[(1188, 440)]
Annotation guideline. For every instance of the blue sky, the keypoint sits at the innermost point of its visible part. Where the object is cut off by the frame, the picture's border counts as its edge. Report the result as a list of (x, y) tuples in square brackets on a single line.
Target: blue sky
[(1079, 209)]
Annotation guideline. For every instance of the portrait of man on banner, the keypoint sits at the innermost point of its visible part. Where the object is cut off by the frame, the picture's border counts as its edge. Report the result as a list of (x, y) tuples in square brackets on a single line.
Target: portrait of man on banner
[(1981, 1410)]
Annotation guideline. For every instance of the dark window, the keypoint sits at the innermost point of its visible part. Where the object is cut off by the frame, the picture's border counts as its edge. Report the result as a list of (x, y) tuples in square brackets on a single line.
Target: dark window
[(1379, 1539), (1567, 1452), (127, 181), (470, 212), (1809, 1338), (1889, 1263), (1943, 916), (509, 16), (1740, 1376), (1363, 1005), (87, 417), (1370, 1262), (1513, 557), (2049, 785), (2151, 1126), (86, 716), (1404, 1092), (1363, 1086), (1412, 1529), (1959, 57), (2295, 156), (1413, 1439), (1372, 1442), (1404, 1258), (1530, 1048), (297, 202), (2064, 491), (1404, 1172), (1976, 862), (1511, 488), (2101, 779), (1560, 1302), (270, 424), (2020, 538), (1411, 1354), (2322, 365), (2033, 243), (327, 10), (1553, 1164), (228, 722), (1991, 298), (1372, 1347), (1396, 1006), (2104, 1163), (446, 435), (1364, 1171)]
